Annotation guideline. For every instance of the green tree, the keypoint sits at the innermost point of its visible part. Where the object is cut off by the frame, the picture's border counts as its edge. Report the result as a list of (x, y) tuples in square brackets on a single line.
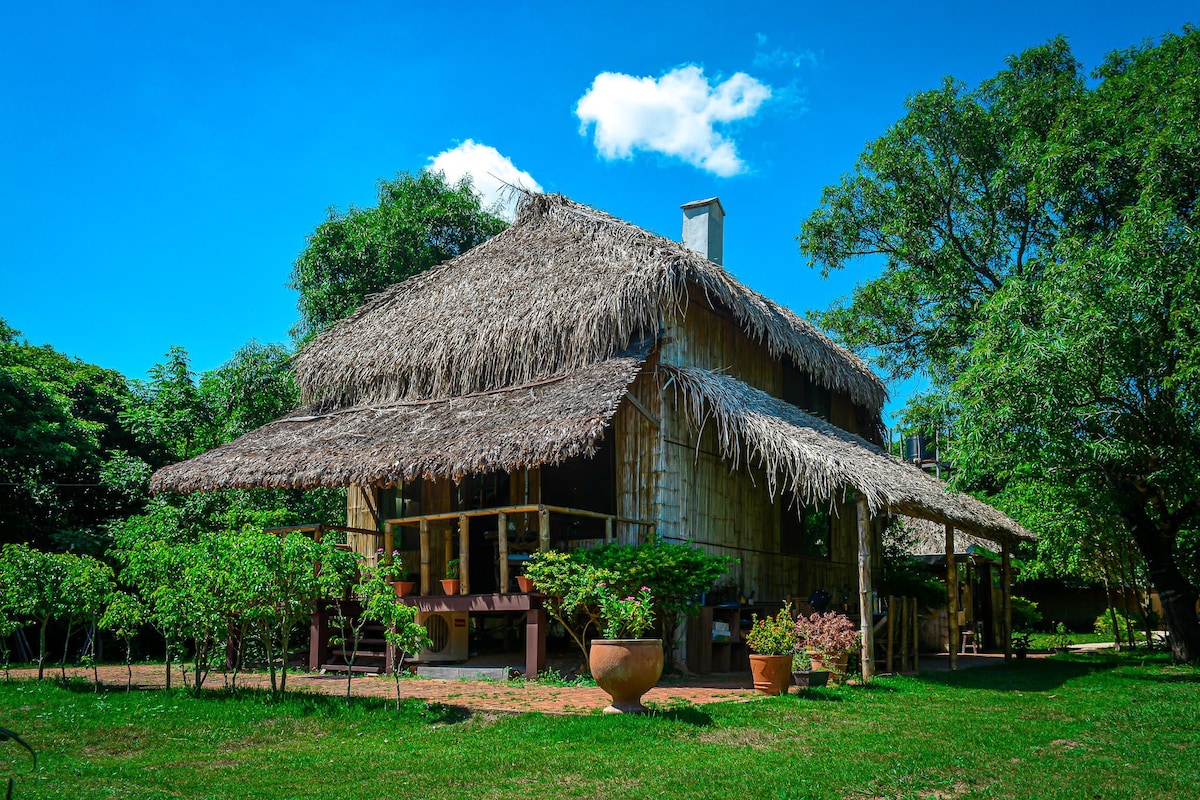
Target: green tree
[(1055, 303), (421, 220)]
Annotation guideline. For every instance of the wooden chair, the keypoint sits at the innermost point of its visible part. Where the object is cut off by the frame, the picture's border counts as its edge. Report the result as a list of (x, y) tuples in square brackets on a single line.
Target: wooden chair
[(969, 639)]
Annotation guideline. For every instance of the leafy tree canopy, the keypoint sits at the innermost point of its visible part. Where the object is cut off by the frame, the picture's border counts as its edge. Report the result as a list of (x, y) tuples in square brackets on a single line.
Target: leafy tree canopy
[(421, 220), (1043, 268)]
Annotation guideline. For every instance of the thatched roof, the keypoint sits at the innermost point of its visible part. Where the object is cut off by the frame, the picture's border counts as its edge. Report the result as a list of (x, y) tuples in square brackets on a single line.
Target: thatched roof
[(818, 461), (565, 286), (545, 422), (928, 540)]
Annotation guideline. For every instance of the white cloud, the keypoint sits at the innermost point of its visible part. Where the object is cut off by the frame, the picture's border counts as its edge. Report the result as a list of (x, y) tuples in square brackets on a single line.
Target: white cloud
[(674, 115), (767, 57), (489, 172)]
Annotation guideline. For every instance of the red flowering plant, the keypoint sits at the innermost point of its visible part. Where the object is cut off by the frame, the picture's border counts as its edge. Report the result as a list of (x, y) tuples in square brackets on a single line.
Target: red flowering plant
[(773, 636), (828, 636)]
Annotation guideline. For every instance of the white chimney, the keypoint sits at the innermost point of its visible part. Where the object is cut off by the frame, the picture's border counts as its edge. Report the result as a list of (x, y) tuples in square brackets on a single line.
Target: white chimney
[(704, 228)]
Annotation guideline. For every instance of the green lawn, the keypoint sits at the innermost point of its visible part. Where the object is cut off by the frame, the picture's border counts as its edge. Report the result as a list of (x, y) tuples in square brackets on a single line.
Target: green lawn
[(1080, 726)]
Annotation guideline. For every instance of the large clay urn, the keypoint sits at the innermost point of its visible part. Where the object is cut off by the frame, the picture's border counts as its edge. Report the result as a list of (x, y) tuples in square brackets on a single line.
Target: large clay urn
[(772, 674), (626, 669)]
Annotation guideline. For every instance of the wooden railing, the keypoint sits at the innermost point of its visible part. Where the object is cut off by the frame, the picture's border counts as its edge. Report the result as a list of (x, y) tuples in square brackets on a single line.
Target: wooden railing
[(463, 519)]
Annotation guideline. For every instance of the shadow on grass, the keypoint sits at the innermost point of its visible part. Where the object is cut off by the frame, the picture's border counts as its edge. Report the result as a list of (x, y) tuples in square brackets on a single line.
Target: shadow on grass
[(820, 695), (689, 715), (1041, 675)]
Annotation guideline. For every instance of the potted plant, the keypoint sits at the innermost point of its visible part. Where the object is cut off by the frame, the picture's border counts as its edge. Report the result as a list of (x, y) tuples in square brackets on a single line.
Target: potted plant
[(829, 639), (392, 570), (772, 643), (450, 583), (624, 665), (1059, 641), (804, 675), (525, 583), (1021, 643)]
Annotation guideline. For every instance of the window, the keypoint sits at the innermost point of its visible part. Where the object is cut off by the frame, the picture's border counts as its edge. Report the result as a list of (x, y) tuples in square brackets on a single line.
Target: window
[(804, 530)]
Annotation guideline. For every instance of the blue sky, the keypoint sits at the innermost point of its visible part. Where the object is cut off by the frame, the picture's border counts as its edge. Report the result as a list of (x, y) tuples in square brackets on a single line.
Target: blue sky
[(162, 163)]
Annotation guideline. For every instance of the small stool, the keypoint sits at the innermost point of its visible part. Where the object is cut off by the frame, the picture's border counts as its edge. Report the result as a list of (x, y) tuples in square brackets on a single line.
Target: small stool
[(968, 640)]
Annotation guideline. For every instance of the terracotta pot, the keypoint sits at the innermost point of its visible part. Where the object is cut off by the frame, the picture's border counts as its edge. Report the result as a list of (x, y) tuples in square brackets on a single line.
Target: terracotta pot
[(626, 669), (835, 666), (403, 587), (810, 679), (450, 585), (771, 673), (525, 584)]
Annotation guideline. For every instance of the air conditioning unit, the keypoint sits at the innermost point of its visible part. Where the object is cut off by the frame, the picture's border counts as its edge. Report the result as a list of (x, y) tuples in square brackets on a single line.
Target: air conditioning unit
[(447, 630)]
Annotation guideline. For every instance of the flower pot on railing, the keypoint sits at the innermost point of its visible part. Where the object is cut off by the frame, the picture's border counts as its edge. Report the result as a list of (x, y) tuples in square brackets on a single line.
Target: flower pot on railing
[(626, 669), (524, 584), (403, 588), (450, 585)]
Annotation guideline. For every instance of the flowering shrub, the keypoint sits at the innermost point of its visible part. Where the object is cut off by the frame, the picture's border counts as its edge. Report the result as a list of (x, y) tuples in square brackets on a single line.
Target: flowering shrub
[(828, 635), (773, 636), (392, 570), (625, 618)]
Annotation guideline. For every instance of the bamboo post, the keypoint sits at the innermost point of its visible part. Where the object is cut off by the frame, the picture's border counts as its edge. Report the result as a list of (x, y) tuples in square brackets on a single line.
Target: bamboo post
[(447, 550), (502, 539), (543, 528), (903, 634), (952, 597), (891, 622), (389, 542), (464, 554), (916, 637), (866, 620), (425, 554), (608, 530), (1006, 598)]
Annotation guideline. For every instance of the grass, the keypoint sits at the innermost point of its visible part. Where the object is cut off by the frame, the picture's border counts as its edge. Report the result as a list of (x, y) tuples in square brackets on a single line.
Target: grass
[(1078, 726), (1044, 641)]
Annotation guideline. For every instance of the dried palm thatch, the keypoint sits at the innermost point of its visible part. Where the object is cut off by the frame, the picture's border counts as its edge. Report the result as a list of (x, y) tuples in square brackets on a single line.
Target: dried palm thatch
[(523, 426), (928, 538), (818, 461), (563, 287)]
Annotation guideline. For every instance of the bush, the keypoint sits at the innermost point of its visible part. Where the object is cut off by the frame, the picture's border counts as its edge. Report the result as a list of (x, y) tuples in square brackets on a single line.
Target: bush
[(1025, 616), (1104, 626)]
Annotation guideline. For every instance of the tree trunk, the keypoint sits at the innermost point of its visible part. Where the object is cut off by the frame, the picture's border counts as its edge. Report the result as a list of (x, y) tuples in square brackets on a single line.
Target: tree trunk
[(1112, 610), (1176, 593)]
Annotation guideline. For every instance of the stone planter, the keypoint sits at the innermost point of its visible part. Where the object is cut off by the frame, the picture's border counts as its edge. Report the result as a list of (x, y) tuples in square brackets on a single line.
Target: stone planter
[(450, 585), (810, 679), (626, 669), (403, 588), (771, 673)]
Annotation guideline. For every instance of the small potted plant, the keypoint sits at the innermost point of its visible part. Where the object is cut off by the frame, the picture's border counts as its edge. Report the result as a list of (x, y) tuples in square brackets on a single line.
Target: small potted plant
[(450, 583), (525, 583), (392, 570), (829, 638), (623, 664), (1021, 644), (804, 675), (1059, 641), (772, 643)]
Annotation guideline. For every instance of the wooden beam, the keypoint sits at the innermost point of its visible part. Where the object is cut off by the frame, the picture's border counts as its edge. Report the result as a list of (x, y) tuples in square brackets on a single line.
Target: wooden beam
[(903, 634), (1006, 598), (608, 530), (891, 624), (916, 625), (426, 578), (543, 528), (389, 545), (502, 540), (951, 598), (655, 421), (464, 554), (865, 606)]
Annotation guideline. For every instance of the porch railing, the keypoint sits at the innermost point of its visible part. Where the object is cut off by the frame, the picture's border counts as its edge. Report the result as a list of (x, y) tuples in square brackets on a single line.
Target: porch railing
[(502, 514)]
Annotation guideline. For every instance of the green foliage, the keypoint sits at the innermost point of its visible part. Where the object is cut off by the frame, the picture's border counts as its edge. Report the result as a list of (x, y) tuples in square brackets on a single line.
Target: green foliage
[(1025, 615), (1103, 626), (626, 617), (573, 589), (1059, 640), (773, 636), (124, 615), (401, 631), (421, 220)]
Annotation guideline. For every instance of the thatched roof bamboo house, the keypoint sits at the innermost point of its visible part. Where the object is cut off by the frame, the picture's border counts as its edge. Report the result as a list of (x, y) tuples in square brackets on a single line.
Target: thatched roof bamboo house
[(576, 360)]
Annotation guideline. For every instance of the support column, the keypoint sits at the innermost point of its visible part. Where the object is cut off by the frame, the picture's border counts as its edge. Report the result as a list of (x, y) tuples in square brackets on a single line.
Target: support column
[(426, 578), (952, 598), (543, 529), (502, 541), (1006, 598), (865, 606), (464, 554), (535, 642)]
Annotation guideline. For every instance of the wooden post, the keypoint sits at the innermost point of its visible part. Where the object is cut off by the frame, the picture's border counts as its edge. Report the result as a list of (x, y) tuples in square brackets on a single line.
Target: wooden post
[(426, 578), (535, 642), (543, 528), (864, 590), (464, 554), (952, 597), (1006, 598), (891, 622), (389, 544), (502, 539), (608, 530), (916, 637), (447, 549), (903, 634)]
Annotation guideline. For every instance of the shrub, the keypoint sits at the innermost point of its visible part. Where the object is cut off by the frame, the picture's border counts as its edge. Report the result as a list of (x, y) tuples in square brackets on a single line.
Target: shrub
[(773, 636), (1025, 614)]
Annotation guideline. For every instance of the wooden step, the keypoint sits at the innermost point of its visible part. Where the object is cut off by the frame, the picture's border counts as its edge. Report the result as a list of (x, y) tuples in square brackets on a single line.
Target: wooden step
[(337, 651), (356, 668)]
